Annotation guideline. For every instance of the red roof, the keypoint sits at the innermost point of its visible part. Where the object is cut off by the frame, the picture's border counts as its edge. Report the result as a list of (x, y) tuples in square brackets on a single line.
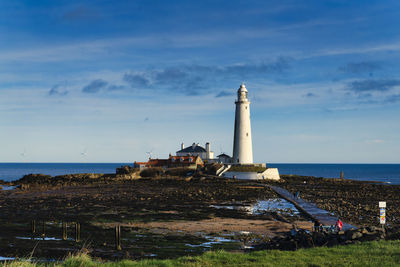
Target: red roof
[(157, 162)]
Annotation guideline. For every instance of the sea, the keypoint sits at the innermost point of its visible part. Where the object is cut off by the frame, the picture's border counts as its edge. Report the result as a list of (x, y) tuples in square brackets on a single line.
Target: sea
[(388, 173)]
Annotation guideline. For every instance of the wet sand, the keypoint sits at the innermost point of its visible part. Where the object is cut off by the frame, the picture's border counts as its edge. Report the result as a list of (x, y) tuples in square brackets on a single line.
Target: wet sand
[(269, 228)]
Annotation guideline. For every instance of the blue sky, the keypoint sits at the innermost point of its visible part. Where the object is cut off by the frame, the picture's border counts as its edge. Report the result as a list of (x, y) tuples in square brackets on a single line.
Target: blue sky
[(108, 81)]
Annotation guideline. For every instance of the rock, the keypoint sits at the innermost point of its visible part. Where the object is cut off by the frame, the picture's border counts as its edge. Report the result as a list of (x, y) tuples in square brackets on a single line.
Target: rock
[(371, 237), (319, 238), (333, 242), (394, 234), (371, 228), (356, 235), (349, 233), (34, 178), (126, 170), (24, 186)]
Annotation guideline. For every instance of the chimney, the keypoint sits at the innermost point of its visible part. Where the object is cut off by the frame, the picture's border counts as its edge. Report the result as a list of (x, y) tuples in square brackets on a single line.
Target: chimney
[(182, 146), (193, 145), (208, 150)]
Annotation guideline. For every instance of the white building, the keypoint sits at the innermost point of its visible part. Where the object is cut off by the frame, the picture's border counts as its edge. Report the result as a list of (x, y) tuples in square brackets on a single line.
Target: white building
[(224, 158), (195, 150), (242, 144)]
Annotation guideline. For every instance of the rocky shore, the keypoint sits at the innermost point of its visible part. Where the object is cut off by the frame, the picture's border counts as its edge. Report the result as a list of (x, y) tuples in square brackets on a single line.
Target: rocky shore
[(356, 202), (171, 216), (305, 239)]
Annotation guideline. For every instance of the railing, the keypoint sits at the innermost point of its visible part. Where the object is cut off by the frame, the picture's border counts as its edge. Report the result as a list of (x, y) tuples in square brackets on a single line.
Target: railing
[(223, 169)]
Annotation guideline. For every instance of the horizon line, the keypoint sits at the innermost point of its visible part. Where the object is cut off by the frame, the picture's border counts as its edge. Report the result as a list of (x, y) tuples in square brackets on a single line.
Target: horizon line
[(42, 162)]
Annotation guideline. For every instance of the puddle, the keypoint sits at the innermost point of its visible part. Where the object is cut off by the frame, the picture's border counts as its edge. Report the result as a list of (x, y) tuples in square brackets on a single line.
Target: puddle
[(262, 206), (275, 204), (6, 259), (212, 241), (242, 175), (41, 238), (7, 187)]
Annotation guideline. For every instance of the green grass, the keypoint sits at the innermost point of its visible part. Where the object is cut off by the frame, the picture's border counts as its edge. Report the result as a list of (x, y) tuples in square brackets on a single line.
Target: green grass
[(244, 168), (382, 253)]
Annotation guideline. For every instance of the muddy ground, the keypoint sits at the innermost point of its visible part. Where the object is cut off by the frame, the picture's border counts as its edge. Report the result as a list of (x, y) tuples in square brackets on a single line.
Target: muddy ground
[(168, 217)]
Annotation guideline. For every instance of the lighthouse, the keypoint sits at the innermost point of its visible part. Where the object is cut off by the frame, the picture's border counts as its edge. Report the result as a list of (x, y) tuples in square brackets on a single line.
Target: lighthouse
[(242, 144)]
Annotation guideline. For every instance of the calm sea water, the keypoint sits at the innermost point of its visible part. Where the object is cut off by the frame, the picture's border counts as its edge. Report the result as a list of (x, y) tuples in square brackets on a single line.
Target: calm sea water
[(14, 171), (369, 172)]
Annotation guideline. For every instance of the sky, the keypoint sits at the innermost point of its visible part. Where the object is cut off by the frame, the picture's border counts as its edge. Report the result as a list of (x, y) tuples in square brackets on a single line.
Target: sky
[(116, 81)]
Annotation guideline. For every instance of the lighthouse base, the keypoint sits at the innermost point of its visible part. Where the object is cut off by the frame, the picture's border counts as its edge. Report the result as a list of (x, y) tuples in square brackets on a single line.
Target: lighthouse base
[(269, 174), (261, 165)]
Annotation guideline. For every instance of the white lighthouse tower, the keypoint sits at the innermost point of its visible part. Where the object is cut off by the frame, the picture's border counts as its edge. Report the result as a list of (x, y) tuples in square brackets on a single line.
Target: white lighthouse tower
[(242, 144)]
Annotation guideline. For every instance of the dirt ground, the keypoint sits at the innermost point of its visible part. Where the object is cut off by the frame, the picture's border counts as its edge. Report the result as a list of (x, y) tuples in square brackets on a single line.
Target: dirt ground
[(269, 228)]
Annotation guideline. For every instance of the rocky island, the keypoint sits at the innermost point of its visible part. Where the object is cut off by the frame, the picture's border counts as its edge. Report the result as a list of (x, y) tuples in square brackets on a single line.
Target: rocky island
[(164, 214)]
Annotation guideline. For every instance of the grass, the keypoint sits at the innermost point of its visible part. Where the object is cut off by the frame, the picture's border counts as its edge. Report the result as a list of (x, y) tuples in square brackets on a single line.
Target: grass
[(376, 253), (244, 168)]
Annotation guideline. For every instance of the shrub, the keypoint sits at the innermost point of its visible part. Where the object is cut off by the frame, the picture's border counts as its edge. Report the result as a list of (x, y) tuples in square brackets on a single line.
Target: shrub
[(182, 171)]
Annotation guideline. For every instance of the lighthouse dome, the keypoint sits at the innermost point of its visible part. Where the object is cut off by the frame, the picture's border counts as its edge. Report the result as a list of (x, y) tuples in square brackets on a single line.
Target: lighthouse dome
[(242, 93), (242, 88)]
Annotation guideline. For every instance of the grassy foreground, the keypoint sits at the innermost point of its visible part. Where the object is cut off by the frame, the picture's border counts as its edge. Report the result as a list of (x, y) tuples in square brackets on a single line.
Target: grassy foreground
[(376, 253)]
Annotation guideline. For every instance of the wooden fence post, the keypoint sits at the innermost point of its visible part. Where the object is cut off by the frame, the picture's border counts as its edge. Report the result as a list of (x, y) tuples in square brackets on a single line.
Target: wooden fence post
[(33, 228), (44, 229), (64, 231), (118, 237), (77, 232)]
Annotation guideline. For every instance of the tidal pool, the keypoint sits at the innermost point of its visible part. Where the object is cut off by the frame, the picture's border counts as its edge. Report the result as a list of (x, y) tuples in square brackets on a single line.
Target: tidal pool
[(6, 259), (213, 240), (7, 187), (242, 175), (278, 205), (42, 238)]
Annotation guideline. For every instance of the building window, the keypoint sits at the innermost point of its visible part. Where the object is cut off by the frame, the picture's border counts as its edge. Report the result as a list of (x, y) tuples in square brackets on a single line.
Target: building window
[(247, 134), (181, 159), (246, 107)]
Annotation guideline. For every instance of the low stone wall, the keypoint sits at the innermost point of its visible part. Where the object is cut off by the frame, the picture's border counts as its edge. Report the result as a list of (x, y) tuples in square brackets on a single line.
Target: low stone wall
[(306, 239)]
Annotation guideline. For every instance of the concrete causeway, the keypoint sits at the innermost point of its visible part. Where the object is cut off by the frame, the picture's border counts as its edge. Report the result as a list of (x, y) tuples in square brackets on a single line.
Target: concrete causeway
[(311, 209)]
